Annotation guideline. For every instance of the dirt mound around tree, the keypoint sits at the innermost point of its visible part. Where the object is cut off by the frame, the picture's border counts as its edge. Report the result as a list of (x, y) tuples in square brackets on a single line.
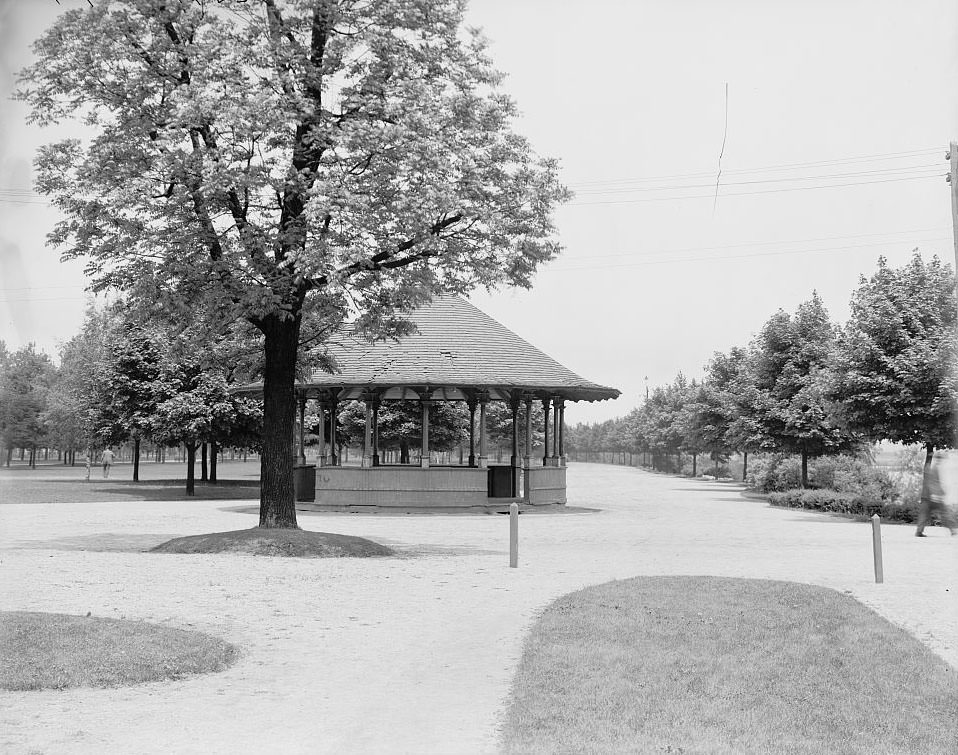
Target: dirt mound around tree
[(262, 541)]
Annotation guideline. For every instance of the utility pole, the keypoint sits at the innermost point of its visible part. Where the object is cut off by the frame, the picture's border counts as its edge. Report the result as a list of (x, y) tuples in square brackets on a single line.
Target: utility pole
[(952, 178)]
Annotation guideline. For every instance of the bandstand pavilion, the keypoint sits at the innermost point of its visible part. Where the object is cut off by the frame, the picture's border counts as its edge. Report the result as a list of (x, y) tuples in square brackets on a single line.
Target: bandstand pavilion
[(458, 353)]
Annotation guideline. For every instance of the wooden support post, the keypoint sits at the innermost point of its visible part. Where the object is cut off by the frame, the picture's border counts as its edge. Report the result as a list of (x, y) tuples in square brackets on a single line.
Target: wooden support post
[(424, 456), (376, 431), (514, 535), (321, 459), (546, 403), (301, 457), (367, 460), (472, 432), (876, 548), (560, 432), (483, 459), (333, 456), (555, 432)]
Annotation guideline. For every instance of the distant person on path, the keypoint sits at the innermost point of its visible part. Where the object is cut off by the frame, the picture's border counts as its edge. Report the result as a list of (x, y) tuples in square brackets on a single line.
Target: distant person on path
[(107, 459), (933, 499)]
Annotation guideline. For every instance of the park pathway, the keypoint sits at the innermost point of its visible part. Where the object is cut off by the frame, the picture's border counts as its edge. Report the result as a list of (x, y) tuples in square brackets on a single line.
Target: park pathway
[(407, 655)]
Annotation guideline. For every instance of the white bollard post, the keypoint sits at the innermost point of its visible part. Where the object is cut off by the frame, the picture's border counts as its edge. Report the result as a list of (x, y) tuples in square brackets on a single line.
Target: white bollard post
[(514, 535), (876, 547)]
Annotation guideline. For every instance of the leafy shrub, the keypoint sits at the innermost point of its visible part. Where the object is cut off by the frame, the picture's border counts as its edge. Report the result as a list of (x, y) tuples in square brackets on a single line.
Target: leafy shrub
[(819, 500), (847, 474), (900, 511), (776, 472), (847, 503), (842, 474)]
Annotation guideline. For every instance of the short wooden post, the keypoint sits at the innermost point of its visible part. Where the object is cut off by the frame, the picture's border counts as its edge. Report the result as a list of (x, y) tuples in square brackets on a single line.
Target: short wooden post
[(876, 547), (514, 535)]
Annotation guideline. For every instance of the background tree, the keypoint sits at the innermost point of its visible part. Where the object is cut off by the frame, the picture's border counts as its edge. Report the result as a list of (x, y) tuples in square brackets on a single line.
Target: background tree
[(702, 425), (129, 386), (25, 384), (790, 362), (279, 160), (895, 374), (195, 406), (81, 392), (733, 403)]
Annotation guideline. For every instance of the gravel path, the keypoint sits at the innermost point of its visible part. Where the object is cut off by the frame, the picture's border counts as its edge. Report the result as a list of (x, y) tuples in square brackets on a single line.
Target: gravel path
[(412, 654)]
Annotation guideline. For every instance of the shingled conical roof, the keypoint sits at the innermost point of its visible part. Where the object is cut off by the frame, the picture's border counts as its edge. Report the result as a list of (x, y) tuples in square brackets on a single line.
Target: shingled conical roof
[(457, 350)]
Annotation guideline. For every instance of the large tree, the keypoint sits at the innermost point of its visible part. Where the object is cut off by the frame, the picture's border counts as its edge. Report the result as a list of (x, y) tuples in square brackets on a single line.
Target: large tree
[(895, 365), (790, 364), (289, 162)]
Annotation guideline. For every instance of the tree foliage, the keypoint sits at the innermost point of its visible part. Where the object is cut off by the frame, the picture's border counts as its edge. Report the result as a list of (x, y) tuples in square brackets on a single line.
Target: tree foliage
[(288, 162), (790, 363), (895, 370)]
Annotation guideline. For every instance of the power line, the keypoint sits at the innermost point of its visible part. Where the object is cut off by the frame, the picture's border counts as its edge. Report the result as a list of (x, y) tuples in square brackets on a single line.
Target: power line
[(780, 166), (783, 179), (761, 191), (720, 258), (773, 243)]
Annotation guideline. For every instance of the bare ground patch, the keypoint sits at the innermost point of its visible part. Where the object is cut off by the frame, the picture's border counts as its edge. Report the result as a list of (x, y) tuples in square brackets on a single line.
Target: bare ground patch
[(261, 541)]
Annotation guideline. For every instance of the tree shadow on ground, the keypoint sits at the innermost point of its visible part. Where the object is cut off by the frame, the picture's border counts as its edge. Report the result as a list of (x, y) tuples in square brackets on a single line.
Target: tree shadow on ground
[(103, 542)]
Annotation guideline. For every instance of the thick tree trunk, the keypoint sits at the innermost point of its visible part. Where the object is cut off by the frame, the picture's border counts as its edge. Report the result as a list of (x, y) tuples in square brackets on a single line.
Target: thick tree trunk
[(204, 465), (190, 471), (214, 450), (403, 451), (694, 464), (804, 468), (744, 466), (276, 505), (136, 459)]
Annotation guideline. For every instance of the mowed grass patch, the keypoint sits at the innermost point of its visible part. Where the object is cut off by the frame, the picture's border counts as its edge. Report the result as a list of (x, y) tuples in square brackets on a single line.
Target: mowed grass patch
[(716, 665), (59, 651)]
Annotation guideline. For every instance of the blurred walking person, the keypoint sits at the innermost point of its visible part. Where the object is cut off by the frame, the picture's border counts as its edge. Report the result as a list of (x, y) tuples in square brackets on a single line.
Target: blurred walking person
[(933, 498)]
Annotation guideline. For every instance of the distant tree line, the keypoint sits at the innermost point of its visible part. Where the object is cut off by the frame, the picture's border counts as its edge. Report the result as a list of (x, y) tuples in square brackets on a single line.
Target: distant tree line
[(120, 381), (807, 386)]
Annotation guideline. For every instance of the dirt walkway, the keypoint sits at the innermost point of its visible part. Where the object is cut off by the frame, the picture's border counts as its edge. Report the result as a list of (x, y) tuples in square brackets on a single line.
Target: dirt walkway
[(413, 654)]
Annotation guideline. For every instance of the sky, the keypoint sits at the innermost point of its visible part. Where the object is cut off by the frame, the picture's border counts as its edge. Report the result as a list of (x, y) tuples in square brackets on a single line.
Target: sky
[(829, 119)]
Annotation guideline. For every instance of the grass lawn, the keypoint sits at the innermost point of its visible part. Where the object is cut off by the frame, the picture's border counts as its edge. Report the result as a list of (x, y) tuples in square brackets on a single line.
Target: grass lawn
[(57, 651), (716, 665)]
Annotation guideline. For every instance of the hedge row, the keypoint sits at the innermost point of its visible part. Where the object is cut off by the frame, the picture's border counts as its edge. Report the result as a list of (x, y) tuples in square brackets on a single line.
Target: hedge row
[(845, 503)]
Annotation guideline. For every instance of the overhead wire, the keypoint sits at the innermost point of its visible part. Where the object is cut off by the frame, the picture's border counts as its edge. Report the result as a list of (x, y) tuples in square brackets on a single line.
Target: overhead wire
[(769, 168), (719, 258)]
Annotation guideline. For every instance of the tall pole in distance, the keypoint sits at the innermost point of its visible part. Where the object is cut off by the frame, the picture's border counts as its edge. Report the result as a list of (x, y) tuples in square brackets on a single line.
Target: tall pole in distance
[(953, 180)]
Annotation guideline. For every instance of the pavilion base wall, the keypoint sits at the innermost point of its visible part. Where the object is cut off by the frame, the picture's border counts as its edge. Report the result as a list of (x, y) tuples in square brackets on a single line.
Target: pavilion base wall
[(432, 487), (544, 485), (402, 486)]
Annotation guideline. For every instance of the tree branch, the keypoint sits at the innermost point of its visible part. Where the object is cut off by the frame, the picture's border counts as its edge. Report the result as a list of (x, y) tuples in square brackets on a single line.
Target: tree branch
[(389, 260)]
